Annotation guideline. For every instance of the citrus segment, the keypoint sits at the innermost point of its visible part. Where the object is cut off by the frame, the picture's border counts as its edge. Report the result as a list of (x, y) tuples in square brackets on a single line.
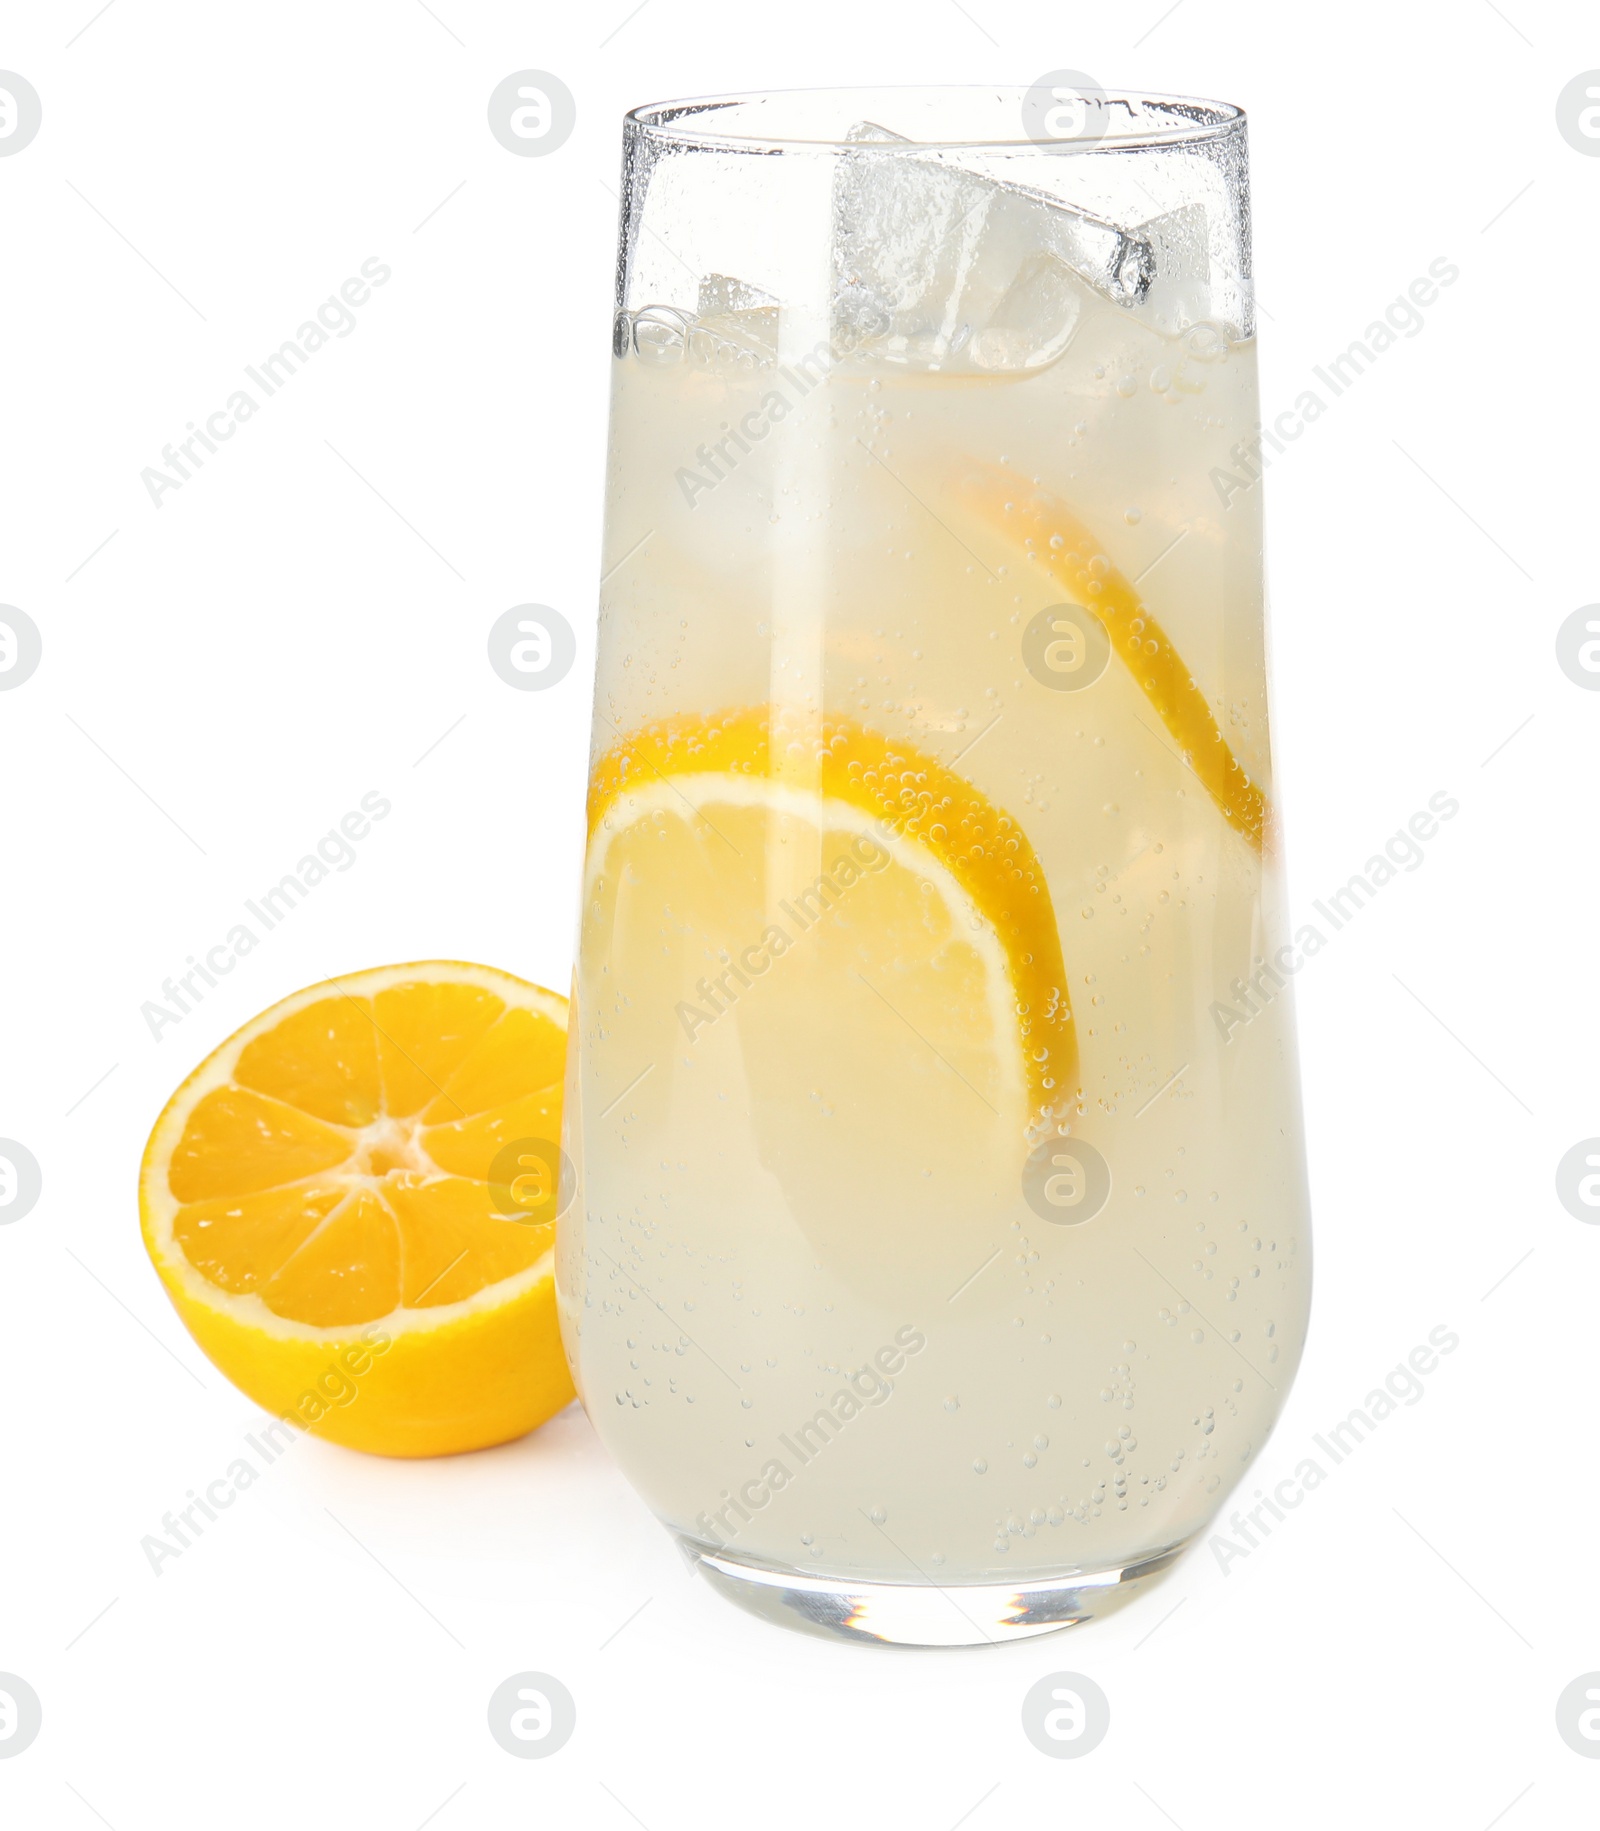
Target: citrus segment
[(347, 1270), (523, 1052), (453, 1241), (425, 1031), (322, 1059), (239, 1241), (467, 1144), (236, 1142)]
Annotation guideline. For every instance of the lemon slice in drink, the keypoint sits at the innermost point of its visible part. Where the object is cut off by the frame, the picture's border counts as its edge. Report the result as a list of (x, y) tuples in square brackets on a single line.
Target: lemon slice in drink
[(328, 1202), (953, 904), (830, 945), (1039, 522)]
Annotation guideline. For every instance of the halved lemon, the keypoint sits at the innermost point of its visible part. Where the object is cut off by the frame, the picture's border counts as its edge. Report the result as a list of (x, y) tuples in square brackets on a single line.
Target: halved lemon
[(352, 1206)]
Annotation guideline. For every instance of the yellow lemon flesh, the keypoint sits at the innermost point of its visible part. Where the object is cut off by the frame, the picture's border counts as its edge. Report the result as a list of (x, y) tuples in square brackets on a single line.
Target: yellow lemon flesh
[(317, 1199)]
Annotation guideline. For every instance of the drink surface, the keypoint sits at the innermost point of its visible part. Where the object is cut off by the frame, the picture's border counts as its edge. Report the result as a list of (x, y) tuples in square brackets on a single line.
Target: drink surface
[(942, 1213)]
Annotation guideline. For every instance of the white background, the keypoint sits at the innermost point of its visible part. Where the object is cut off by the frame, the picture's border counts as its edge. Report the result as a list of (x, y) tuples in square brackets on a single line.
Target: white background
[(305, 621)]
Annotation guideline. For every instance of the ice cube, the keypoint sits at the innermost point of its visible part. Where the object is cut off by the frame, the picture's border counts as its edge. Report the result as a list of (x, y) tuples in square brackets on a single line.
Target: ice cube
[(1033, 320), (736, 323), (721, 293), (947, 269), (1179, 292)]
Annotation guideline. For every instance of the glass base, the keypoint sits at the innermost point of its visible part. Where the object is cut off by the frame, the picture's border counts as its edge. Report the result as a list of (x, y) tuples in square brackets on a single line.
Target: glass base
[(922, 1614)]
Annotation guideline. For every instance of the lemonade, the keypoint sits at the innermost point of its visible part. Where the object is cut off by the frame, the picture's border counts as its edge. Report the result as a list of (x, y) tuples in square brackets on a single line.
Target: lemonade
[(933, 1100)]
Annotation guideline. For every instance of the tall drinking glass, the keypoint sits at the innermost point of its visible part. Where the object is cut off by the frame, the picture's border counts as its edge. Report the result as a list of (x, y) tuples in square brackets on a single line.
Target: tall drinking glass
[(939, 1261)]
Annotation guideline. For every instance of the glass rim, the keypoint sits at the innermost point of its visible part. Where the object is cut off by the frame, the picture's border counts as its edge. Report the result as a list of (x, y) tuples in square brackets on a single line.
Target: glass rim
[(1199, 120)]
